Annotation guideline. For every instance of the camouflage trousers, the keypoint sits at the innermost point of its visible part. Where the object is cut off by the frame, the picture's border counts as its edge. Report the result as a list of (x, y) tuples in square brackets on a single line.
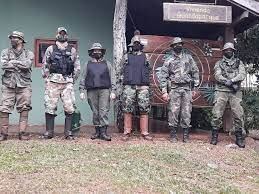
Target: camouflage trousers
[(21, 97), (133, 94), (99, 102), (54, 91), (220, 102), (180, 108)]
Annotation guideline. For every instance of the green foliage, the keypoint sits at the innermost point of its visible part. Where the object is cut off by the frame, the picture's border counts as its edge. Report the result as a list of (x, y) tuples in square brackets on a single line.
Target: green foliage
[(251, 109), (248, 47), (208, 92), (201, 118)]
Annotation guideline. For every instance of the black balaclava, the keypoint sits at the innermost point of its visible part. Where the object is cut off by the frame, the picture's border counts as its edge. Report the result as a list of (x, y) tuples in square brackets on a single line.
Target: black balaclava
[(62, 37), (178, 48), (228, 53), (97, 54), (136, 46)]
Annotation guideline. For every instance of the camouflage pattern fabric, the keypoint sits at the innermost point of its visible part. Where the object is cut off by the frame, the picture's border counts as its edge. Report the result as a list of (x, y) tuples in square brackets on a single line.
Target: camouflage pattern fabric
[(16, 80), (176, 75), (180, 107), (54, 91), (21, 97), (99, 102), (228, 69), (58, 78), (221, 100), (16, 67), (136, 94), (180, 71)]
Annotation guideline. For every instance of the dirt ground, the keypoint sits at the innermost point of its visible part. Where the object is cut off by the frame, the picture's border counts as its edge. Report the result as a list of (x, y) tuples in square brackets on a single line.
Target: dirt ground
[(137, 166)]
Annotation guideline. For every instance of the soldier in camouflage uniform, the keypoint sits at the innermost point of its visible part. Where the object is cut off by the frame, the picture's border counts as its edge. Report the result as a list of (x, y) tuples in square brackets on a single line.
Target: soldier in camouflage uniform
[(61, 68), (98, 79), (16, 84), (229, 73), (180, 70), (135, 77)]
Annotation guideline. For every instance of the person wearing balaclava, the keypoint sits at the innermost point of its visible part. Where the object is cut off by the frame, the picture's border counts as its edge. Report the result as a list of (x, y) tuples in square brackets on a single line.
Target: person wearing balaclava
[(135, 76), (16, 84), (181, 71), (61, 68), (98, 80), (229, 72)]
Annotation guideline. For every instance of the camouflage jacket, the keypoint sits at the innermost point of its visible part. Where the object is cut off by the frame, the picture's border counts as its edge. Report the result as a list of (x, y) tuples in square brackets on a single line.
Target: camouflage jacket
[(111, 72), (229, 69), (16, 67), (59, 78), (178, 71)]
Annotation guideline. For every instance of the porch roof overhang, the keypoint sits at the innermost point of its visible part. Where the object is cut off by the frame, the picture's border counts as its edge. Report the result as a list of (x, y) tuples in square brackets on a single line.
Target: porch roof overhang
[(147, 16), (249, 5)]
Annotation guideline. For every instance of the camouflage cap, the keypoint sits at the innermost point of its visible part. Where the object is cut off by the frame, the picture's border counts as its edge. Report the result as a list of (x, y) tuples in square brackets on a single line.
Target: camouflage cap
[(17, 34), (135, 38), (60, 29), (97, 46), (229, 45), (176, 41)]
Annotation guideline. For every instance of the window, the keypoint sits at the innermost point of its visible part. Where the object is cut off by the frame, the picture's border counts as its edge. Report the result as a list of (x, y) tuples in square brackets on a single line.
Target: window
[(41, 46)]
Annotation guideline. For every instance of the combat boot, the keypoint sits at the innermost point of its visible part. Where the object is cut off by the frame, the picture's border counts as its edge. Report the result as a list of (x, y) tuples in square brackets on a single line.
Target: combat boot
[(214, 136), (240, 139), (173, 134), (68, 127), (185, 135), (144, 127), (23, 135), (103, 134), (127, 126), (96, 135), (4, 120), (50, 119)]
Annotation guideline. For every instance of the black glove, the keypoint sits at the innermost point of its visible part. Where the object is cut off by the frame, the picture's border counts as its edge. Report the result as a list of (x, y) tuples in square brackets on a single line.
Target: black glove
[(228, 83)]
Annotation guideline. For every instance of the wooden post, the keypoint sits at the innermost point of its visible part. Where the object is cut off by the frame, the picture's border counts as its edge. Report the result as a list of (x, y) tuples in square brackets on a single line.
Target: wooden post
[(119, 48), (229, 34), (227, 117), (119, 31)]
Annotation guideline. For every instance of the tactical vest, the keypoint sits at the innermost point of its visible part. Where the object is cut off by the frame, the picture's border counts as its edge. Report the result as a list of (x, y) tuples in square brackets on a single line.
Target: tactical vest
[(230, 71), (61, 61), (98, 76), (136, 71)]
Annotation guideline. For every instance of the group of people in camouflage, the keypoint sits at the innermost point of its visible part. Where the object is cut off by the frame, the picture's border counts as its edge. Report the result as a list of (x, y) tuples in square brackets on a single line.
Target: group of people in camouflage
[(179, 78)]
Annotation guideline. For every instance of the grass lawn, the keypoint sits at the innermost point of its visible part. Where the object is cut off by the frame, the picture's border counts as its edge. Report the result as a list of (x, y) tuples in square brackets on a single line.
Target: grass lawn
[(85, 166)]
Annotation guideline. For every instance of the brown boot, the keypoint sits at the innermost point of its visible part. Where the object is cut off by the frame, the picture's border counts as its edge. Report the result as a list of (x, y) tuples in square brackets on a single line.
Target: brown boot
[(144, 127), (127, 126), (23, 135), (125, 137), (4, 120)]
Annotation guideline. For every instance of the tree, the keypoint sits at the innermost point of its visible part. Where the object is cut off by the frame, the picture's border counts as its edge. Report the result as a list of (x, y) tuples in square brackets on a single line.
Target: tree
[(248, 48), (119, 48)]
